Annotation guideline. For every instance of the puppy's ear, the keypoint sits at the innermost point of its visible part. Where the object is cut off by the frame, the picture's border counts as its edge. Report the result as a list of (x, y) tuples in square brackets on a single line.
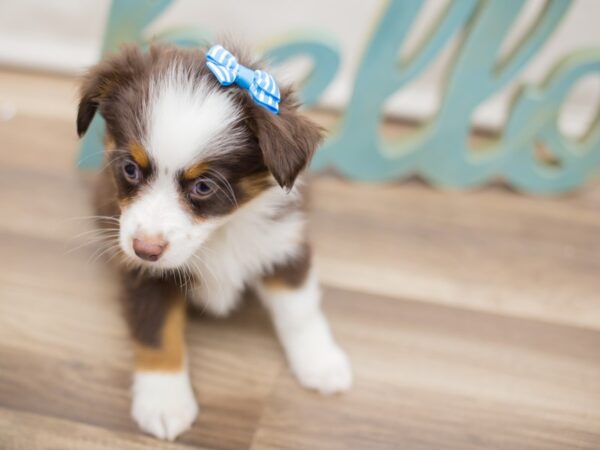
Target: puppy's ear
[(88, 103), (287, 140), (102, 80)]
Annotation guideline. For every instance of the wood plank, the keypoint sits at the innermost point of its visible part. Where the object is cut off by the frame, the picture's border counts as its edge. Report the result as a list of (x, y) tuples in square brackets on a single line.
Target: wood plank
[(489, 250), (430, 377), (24, 431)]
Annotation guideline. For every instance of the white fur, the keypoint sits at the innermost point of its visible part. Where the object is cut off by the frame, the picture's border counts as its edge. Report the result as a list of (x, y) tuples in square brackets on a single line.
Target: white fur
[(313, 355), (249, 244), (163, 403), (187, 121)]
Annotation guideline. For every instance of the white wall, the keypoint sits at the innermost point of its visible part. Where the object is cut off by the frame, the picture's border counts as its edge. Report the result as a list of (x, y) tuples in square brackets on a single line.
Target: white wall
[(65, 35)]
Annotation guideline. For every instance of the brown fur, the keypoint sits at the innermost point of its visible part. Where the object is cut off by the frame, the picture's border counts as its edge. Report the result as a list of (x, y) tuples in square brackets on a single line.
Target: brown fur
[(155, 312), (105, 197), (169, 354), (292, 273), (147, 301), (287, 140)]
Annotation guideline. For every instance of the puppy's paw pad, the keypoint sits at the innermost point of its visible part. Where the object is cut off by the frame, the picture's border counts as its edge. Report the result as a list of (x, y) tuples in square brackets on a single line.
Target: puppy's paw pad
[(163, 404), (326, 370)]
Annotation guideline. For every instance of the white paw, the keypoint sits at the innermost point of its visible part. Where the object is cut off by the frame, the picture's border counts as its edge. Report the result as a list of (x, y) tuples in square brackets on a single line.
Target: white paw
[(325, 368), (163, 403)]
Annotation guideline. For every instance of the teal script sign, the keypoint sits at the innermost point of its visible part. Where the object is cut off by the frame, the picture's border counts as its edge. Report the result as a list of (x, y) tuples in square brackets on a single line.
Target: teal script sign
[(439, 150)]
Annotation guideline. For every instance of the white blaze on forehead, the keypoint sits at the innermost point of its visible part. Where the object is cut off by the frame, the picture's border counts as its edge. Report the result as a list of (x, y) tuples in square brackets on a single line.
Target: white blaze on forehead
[(184, 117)]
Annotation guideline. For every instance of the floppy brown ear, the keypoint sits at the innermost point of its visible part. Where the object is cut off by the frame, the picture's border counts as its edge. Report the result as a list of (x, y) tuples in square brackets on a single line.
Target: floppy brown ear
[(96, 86), (88, 105), (102, 80), (287, 140)]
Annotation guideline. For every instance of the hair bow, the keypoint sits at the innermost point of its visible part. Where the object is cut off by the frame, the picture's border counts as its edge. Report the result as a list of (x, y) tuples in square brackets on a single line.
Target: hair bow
[(262, 86)]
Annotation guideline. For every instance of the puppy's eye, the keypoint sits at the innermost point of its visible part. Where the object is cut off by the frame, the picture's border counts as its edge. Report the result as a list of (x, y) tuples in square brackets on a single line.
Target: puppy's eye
[(132, 172), (202, 188)]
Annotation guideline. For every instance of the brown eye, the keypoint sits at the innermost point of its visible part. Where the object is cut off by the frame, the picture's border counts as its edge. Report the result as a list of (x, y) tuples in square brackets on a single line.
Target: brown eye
[(203, 188), (132, 172)]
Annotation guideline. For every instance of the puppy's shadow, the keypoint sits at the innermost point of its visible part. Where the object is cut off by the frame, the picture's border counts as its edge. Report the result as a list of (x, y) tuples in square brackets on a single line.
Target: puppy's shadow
[(249, 317)]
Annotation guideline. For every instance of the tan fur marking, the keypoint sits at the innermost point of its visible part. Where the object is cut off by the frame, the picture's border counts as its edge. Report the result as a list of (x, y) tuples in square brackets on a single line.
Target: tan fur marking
[(291, 274), (169, 356), (255, 184), (195, 171), (274, 283), (109, 142), (139, 155)]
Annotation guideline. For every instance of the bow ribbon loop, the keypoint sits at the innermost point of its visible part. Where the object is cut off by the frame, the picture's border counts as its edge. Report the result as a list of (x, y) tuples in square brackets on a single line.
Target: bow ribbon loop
[(261, 85)]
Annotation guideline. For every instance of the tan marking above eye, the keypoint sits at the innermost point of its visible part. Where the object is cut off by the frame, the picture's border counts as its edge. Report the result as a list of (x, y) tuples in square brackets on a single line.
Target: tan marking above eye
[(195, 171), (139, 155)]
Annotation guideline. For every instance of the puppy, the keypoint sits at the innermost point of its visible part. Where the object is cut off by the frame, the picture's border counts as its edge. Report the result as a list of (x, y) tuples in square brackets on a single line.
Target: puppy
[(202, 186)]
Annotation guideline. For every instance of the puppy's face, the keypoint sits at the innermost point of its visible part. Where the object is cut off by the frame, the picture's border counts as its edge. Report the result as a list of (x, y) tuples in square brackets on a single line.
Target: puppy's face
[(185, 153)]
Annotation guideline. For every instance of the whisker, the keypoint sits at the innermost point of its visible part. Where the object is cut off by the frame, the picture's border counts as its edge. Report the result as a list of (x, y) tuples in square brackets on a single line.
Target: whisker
[(209, 270), (95, 230), (199, 272), (113, 249), (91, 155), (115, 254), (111, 219), (93, 240), (230, 194), (98, 254)]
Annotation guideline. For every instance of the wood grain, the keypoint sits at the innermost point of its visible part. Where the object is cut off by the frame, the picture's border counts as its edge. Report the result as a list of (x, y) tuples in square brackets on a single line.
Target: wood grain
[(25, 431), (472, 319), (431, 377)]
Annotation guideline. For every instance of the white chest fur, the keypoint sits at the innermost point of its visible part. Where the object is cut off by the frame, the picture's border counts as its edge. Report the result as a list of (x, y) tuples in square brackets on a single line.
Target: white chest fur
[(259, 235)]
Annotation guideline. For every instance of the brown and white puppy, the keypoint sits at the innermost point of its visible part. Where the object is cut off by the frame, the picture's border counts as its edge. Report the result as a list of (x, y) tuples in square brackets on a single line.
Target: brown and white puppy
[(203, 184)]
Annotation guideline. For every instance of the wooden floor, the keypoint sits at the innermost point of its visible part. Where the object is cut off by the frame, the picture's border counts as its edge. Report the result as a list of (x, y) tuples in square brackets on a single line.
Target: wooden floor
[(472, 319)]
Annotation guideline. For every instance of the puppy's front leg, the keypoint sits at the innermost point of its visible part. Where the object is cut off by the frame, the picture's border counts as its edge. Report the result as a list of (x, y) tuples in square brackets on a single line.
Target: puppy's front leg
[(163, 400), (292, 296)]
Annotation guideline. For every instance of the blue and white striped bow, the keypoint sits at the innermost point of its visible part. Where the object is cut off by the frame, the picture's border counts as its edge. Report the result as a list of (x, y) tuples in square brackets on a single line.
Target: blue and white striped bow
[(262, 86)]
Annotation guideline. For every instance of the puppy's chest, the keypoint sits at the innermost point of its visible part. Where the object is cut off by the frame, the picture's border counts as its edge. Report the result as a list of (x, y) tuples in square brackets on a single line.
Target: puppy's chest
[(241, 252)]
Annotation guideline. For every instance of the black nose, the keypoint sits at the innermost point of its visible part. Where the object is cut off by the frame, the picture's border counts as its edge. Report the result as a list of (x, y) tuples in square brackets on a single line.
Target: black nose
[(149, 248)]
